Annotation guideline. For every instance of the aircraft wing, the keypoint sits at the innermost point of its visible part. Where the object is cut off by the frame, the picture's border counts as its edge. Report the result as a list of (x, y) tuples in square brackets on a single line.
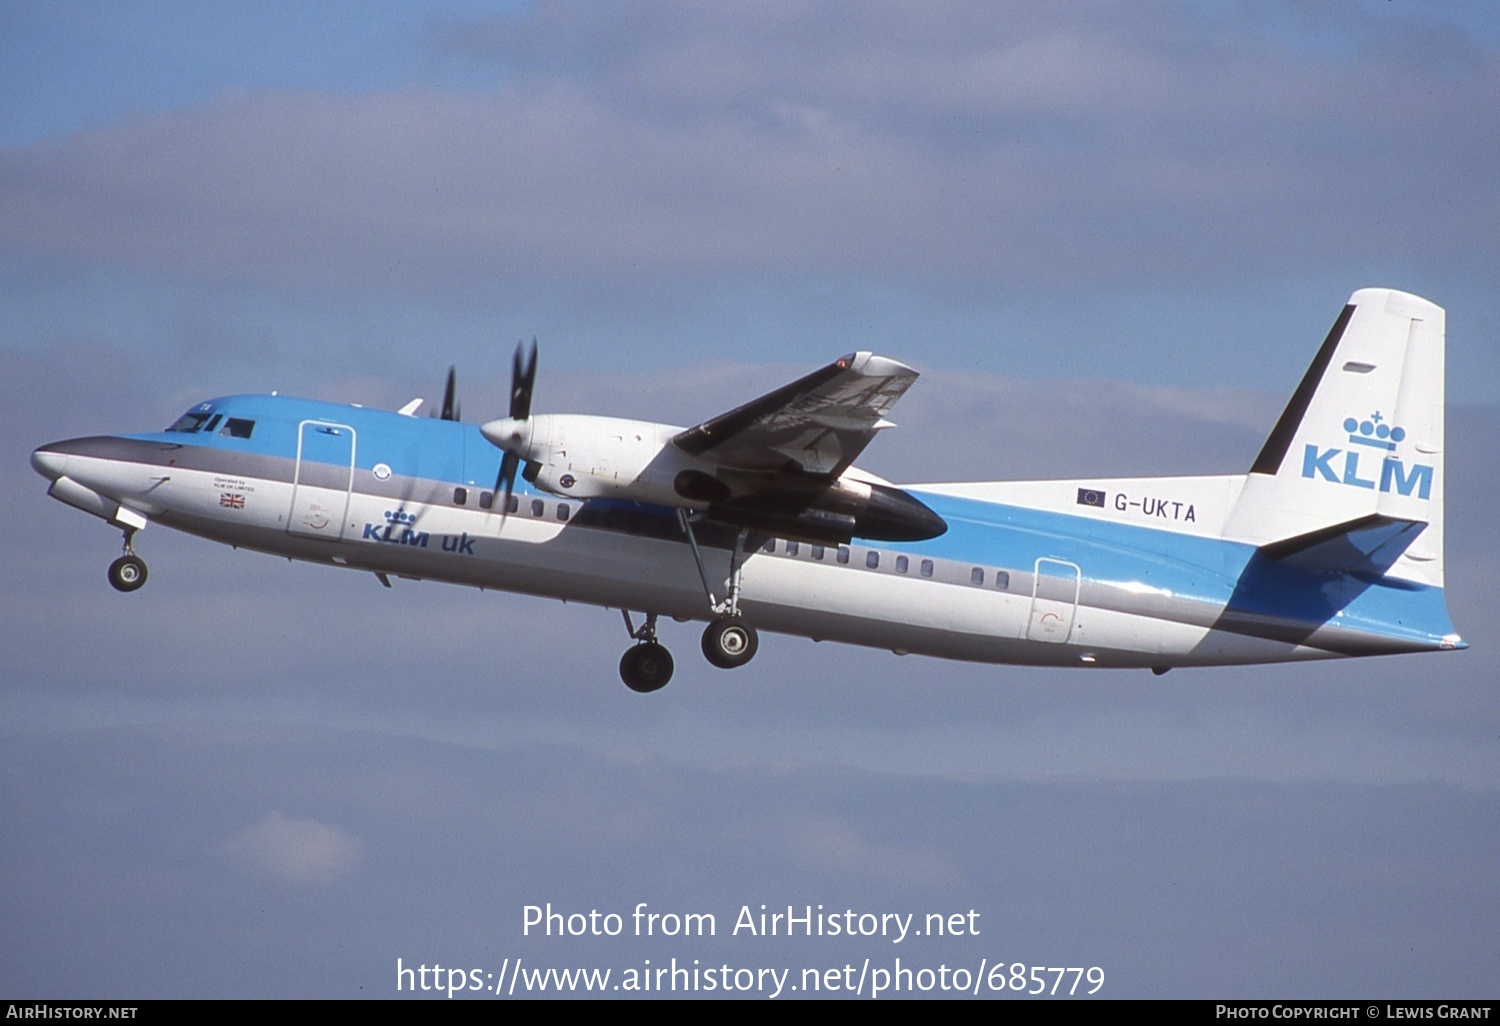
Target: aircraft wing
[(816, 425)]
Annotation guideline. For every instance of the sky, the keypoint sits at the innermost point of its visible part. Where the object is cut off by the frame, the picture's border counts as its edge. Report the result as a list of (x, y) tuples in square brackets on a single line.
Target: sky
[(1110, 236)]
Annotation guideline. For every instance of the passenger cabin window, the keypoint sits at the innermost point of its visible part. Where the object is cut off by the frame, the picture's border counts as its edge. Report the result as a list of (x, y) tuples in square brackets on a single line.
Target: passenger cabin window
[(562, 511), (486, 500), (461, 496), (1002, 579), (843, 556), (817, 552), (976, 576), (237, 428), (538, 507), (792, 548), (872, 559), (901, 564), (926, 568), (512, 504)]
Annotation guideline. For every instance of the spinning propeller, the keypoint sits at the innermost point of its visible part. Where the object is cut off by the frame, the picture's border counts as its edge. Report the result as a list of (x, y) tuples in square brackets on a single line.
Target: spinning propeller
[(512, 433)]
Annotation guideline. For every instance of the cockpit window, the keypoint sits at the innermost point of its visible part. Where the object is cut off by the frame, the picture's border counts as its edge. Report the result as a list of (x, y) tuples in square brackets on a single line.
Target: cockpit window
[(189, 422), (234, 427)]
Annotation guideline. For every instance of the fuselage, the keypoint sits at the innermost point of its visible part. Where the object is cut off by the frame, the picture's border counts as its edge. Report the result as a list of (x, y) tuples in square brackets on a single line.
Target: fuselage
[(404, 496)]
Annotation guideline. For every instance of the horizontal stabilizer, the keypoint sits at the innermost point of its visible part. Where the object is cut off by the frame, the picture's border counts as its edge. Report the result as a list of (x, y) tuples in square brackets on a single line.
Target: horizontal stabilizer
[(1370, 544)]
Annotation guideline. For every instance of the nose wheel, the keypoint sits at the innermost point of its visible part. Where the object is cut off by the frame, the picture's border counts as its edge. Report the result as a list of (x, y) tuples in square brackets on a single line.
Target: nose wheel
[(127, 573)]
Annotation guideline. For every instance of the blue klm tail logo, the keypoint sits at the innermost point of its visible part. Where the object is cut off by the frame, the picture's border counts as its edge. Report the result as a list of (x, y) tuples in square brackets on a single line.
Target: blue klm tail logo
[(1366, 435)]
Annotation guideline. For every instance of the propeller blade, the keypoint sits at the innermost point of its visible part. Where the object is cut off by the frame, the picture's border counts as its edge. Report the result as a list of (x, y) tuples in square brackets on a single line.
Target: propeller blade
[(450, 400), (506, 480), (523, 376)]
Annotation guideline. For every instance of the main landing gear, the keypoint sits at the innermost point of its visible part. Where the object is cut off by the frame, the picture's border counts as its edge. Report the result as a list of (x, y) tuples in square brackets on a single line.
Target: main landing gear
[(728, 641), (647, 665), (129, 571)]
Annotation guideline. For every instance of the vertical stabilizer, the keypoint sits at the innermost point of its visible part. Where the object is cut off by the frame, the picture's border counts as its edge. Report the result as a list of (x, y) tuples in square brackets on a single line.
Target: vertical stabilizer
[(1361, 438)]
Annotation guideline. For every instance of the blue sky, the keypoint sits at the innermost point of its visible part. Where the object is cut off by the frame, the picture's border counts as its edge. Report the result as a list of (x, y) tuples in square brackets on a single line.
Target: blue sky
[(1110, 236)]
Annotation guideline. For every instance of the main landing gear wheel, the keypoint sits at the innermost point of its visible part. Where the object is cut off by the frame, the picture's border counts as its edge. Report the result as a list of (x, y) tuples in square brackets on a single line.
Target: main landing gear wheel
[(729, 642), (646, 667), (127, 573)]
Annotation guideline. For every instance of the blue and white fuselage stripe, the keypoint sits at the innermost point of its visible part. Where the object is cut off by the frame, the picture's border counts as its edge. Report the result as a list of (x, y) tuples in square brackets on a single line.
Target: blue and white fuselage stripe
[(1182, 579)]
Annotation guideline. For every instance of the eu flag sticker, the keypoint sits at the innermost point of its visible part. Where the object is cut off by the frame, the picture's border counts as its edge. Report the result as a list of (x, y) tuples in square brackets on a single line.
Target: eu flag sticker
[(1090, 497)]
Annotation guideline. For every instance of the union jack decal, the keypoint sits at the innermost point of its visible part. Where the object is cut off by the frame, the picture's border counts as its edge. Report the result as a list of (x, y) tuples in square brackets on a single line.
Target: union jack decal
[(231, 500)]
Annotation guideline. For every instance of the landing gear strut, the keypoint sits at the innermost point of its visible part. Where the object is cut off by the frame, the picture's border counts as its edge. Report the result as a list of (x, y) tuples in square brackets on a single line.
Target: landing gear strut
[(129, 571), (728, 641), (647, 665)]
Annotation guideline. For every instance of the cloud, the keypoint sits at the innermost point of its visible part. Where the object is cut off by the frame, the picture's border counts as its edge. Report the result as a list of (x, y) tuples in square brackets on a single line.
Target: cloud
[(955, 149), (295, 850), (837, 848)]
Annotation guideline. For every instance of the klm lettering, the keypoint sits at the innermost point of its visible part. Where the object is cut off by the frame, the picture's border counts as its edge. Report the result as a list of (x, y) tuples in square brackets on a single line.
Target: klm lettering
[(394, 535), (1393, 474)]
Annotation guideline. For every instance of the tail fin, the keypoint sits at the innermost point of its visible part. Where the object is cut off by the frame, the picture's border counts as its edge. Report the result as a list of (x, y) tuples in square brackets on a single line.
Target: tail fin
[(1361, 442)]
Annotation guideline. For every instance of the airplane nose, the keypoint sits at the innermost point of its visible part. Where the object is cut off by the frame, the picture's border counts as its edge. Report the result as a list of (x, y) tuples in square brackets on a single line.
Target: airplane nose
[(50, 463)]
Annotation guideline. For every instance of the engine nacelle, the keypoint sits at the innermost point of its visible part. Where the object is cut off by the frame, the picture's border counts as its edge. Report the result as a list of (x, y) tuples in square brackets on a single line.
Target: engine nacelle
[(849, 509), (588, 457)]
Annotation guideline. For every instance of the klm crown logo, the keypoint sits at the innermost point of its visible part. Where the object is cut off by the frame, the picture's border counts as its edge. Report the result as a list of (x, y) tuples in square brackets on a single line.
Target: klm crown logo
[(1374, 432), (1363, 435)]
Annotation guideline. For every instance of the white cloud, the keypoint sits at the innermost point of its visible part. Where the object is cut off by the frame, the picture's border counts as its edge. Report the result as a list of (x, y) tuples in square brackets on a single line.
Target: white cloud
[(295, 849), (839, 848)]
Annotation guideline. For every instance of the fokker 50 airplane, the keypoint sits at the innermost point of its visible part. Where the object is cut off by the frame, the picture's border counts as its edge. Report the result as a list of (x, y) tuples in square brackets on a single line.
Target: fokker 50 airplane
[(1332, 544)]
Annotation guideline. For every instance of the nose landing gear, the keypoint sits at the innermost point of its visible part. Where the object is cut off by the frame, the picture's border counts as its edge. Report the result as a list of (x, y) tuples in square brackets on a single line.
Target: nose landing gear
[(129, 571)]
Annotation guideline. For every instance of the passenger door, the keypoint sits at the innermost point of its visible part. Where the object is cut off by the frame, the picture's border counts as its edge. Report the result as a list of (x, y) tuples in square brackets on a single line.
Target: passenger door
[(322, 479)]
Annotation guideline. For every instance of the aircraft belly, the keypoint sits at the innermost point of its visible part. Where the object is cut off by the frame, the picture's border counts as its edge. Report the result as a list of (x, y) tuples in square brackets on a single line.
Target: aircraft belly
[(909, 614)]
